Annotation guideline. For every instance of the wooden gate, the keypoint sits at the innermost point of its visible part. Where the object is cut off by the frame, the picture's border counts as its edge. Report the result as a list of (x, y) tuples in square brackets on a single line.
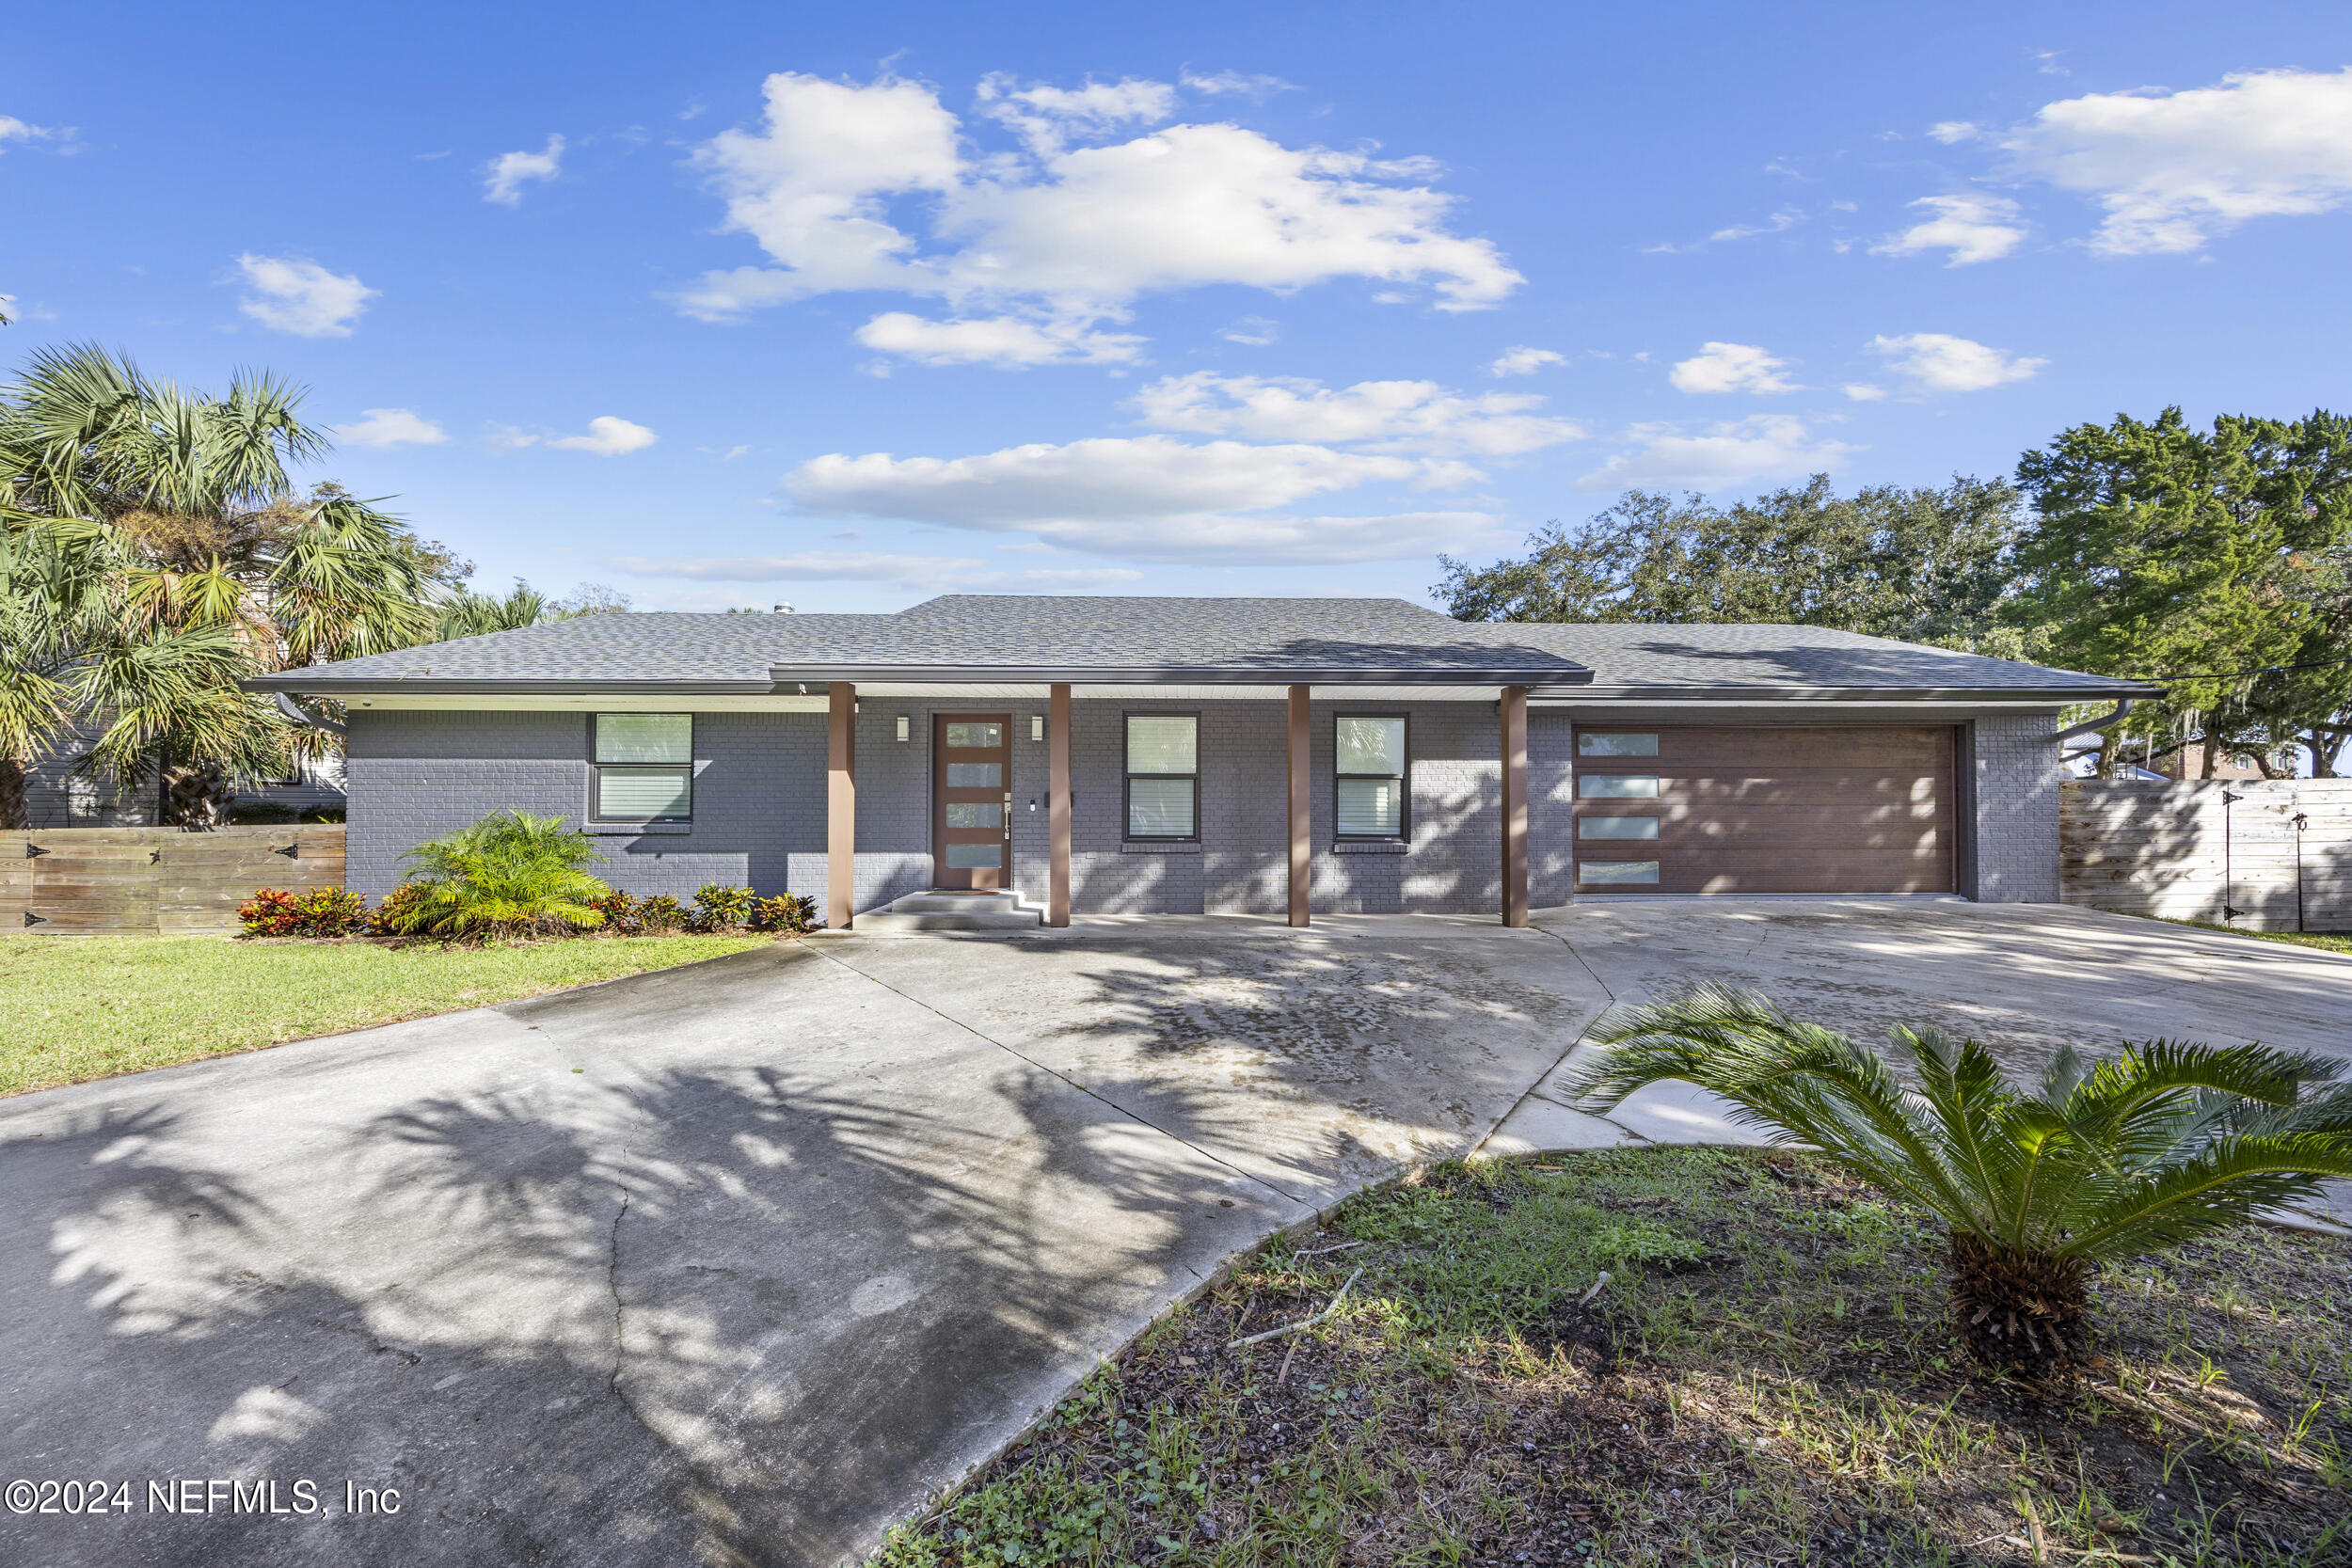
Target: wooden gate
[(81, 882), (2267, 854)]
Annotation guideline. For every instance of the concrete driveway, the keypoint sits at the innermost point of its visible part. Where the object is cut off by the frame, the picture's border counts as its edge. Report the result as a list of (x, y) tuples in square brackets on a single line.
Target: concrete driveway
[(737, 1263), (734, 1263), (2022, 978)]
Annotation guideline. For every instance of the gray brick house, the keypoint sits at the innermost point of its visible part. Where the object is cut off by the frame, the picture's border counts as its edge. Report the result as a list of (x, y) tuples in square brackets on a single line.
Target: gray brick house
[(1171, 755)]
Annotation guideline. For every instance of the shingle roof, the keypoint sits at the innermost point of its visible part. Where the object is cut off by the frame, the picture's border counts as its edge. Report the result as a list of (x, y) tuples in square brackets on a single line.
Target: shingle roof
[(1648, 657), (1010, 637)]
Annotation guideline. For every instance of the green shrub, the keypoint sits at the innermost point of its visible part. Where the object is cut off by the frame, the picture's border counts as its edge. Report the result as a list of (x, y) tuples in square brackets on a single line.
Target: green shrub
[(792, 913), (720, 908), (2038, 1188), (319, 911), (395, 914), (659, 914), (619, 911), (510, 874)]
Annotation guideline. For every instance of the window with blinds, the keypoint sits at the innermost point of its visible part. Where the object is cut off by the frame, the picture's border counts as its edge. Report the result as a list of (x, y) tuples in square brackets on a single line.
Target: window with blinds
[(1163, 775), (1368, 791), (644, 767)]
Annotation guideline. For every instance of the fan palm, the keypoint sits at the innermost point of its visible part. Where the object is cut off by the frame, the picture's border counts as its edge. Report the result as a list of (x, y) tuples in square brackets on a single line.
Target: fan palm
[(159, 554), (509, 874), (466, 613), (2038, 1187)]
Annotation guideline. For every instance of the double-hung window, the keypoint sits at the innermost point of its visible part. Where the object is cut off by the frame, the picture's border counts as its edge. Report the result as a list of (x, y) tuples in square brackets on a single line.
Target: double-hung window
[(1163, 775), (644, 767), (1368, 796)]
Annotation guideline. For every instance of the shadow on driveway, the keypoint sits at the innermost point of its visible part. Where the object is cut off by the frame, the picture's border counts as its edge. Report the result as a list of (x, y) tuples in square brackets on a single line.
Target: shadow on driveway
[(728, 1265)]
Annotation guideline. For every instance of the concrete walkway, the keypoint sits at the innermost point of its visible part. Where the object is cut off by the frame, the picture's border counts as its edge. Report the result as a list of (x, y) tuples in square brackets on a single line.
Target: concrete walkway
[(728, 1264)]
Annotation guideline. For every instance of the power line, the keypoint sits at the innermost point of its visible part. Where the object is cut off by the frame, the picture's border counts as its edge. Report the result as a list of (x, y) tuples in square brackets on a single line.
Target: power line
[(2241, 675)]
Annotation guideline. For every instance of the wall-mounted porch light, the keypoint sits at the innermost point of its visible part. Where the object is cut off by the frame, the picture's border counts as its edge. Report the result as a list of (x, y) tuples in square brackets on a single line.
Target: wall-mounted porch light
[(1037, 726), (903, 726)]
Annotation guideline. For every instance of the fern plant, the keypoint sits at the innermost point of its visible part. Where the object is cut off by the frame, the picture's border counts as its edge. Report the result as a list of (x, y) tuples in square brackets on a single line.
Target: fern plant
[(2038, 1187), (510, 874)]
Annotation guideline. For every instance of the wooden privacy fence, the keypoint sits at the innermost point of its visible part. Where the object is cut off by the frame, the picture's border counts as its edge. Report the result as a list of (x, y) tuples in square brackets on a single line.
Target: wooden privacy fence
[(150, 881), (2267, 854)]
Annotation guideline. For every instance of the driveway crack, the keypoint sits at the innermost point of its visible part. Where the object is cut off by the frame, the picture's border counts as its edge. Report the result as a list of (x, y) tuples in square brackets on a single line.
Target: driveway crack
[(1056, 1073), (612, 1284)]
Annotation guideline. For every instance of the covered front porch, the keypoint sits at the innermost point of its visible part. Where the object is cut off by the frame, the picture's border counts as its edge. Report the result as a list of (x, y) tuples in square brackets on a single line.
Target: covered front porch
[(1260, 808)]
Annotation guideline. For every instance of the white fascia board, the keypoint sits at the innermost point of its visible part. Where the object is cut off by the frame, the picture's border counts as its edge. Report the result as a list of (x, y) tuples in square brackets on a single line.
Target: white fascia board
[(576, 703)]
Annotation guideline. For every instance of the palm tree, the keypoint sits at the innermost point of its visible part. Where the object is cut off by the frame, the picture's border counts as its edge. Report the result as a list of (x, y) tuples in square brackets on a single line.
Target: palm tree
[(508, 875), (183, 561), (466, 613), (2037, 1188)]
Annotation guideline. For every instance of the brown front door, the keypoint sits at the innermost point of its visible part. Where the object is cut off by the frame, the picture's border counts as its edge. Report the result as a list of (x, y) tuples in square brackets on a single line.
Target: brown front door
[(972, 800)]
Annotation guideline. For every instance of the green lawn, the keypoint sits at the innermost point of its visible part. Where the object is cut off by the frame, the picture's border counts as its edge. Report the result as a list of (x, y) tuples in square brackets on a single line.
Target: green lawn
[(74, 1008), (1681, 1358)]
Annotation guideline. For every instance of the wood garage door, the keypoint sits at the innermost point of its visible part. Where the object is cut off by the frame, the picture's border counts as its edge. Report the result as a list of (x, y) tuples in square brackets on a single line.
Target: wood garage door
[(1846, 807)]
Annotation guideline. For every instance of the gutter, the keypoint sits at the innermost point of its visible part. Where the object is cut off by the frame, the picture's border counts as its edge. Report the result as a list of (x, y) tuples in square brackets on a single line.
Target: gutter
[(1222, 674), (292, 710), (2094, 725), (2127, 692)]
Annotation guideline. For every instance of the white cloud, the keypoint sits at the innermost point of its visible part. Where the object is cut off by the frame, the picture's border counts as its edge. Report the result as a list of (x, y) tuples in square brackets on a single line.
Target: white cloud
[(388, 427), (2176, 170), (1971, 227), (1149, 497), (1045, 118), (607, 437), (1524, 361), (1863, 391), (1007, 342), (1764, 447), (1943, 363), (915, 571), (1062, 234), (1257, 89), (503, 176), (804, 566), (13, 129), (1952, 131), (1253, 332), (1389, 416), (1779, 222), (301, 297), (1731, 367)]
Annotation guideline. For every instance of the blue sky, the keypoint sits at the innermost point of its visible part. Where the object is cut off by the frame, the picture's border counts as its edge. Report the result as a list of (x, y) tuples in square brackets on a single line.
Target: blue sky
[(845, 307)]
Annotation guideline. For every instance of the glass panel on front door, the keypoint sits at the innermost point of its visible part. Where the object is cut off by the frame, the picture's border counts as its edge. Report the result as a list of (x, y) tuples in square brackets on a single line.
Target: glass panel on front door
[(971, 815)]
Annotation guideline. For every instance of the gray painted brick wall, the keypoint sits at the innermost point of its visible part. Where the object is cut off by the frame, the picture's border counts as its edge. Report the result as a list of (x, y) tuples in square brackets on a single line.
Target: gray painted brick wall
[(759, 807), (759, 802), (2017, 773)]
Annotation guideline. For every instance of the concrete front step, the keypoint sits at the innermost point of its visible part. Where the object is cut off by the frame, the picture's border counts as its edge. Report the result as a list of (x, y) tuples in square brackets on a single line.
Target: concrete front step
[(951, 911), (953, 903)]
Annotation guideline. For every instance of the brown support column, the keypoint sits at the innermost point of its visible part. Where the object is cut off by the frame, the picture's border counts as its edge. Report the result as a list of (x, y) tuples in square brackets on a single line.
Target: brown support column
[(1514, 708), (1302, 809), (1057, 804), (840, 804)]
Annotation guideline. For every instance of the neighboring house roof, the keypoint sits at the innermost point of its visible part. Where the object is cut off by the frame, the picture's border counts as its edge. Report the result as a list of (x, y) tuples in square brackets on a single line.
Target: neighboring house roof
[(965, 636)]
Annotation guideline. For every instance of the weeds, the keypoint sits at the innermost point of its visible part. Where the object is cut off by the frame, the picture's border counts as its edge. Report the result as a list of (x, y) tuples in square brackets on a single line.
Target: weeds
[(1768, 1375)]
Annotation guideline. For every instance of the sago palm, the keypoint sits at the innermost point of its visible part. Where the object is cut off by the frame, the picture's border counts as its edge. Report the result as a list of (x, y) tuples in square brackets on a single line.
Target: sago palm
[(509, 874), (2037, 1188)]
